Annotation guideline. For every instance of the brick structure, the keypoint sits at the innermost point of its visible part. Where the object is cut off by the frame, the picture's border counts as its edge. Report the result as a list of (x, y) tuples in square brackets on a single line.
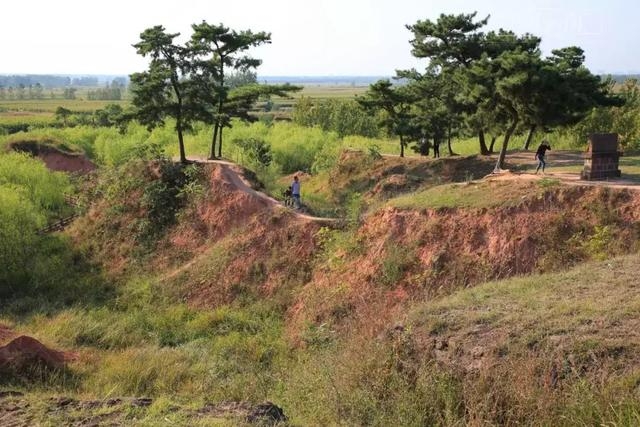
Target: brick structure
[(602, 157)]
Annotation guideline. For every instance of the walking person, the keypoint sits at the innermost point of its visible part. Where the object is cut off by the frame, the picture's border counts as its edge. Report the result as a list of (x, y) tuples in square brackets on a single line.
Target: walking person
[(295, 192), (540, 152)]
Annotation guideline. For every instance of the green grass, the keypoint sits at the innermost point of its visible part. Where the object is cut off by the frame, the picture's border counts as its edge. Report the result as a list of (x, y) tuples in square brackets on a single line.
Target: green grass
[(325, 92), (136, 336), (467, 195)]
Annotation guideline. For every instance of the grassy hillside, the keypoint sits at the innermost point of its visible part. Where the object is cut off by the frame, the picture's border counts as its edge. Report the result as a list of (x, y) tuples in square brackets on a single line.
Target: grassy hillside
[(438, 300)]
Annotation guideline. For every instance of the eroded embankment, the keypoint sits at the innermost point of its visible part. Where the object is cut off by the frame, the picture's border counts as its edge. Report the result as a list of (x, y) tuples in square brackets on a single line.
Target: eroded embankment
[(54, 158), (231, 244), (402, 256)]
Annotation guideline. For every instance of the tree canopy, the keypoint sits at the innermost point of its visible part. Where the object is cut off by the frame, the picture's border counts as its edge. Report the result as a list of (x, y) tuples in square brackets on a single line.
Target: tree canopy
[(188, 82), (476, 82)]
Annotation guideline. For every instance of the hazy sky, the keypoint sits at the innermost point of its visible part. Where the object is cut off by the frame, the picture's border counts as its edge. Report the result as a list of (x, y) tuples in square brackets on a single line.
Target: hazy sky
[(321, 37)]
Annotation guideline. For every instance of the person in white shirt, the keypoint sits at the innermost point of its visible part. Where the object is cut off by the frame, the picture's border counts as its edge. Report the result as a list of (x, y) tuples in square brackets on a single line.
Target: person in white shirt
[(295, 191)]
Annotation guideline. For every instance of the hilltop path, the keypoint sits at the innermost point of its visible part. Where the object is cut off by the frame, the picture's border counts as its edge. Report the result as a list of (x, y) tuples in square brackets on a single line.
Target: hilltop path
[(559, 159)]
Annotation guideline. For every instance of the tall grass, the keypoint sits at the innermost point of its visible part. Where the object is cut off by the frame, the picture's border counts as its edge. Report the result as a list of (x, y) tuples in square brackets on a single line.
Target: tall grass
[(33, 264)]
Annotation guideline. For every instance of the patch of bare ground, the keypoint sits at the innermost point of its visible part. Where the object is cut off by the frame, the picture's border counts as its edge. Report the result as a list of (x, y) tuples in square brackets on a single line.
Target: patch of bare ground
[(19, 409)]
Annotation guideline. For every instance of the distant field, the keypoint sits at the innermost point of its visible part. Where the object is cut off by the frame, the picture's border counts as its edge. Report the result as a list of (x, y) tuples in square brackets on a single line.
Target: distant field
[(41, 109), (50, 105), (324, 92)]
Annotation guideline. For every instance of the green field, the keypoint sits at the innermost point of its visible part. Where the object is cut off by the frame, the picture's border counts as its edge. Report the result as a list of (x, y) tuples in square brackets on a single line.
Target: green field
[(326, 92)]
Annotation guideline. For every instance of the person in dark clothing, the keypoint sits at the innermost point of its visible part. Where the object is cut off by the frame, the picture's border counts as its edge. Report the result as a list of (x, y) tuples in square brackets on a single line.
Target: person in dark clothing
[(540, 152), (436, 148), (288, 197)]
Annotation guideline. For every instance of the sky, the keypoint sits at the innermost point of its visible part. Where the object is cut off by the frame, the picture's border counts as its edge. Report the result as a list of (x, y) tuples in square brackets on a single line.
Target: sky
[(309, 38)]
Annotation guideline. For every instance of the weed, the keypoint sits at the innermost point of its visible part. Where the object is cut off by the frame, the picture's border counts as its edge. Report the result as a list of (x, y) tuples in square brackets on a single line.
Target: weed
[(547, 183), (396, 262)]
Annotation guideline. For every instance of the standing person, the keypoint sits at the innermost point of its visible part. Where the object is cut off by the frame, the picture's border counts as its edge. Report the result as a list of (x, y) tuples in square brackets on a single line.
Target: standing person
[(436, 148), (295, 191), (540, 152)]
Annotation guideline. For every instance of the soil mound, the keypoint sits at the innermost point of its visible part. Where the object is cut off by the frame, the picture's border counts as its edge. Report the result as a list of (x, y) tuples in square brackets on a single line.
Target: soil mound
[(25, 353), (55, 158)]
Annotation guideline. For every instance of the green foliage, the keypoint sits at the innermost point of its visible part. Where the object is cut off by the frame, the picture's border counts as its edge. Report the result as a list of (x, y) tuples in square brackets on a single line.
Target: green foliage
[(42, 188), (547, 183), (335, 243), (600, 244), (394, 103), (19, 222), (257, 151), (344, 117), (163, 198), (374, 152), (396, 262), (164, 187), (36, 268), (295, 148), (355, 207), (622, 120)]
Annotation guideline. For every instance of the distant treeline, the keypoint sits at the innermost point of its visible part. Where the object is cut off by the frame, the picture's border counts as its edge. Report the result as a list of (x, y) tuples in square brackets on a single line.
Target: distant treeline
[(57, 81), (621, 78), (322, 80)]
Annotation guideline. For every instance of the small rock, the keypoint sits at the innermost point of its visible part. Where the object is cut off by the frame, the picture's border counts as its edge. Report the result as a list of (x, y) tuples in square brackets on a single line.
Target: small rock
[(266, 412), (61, 402), (113, 402), (142, 401)]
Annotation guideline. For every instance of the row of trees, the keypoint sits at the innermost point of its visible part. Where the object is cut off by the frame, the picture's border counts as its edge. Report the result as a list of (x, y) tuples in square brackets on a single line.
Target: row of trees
[(483, 83), (110, 115), (22, 92), (112, 91), (49, 81), (189, 82)]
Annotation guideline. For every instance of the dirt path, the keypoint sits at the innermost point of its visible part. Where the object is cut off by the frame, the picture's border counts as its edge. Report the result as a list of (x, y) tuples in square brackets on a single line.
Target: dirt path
[(233, 173), (557, 159), (564, 177)]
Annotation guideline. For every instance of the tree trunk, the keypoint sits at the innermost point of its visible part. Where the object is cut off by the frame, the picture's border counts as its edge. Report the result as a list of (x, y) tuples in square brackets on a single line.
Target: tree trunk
[(483, 145), (183, 156), (527, 142), (220, 142), (401, 146), (213, 141), (493, 143), (451, 153), (179, 125), (505, 144), (220, 106)]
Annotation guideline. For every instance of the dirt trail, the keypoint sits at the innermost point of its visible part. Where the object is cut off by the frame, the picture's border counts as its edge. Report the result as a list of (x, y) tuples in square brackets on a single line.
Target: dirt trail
[(232, 172), (233, 175), (566, 178)]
